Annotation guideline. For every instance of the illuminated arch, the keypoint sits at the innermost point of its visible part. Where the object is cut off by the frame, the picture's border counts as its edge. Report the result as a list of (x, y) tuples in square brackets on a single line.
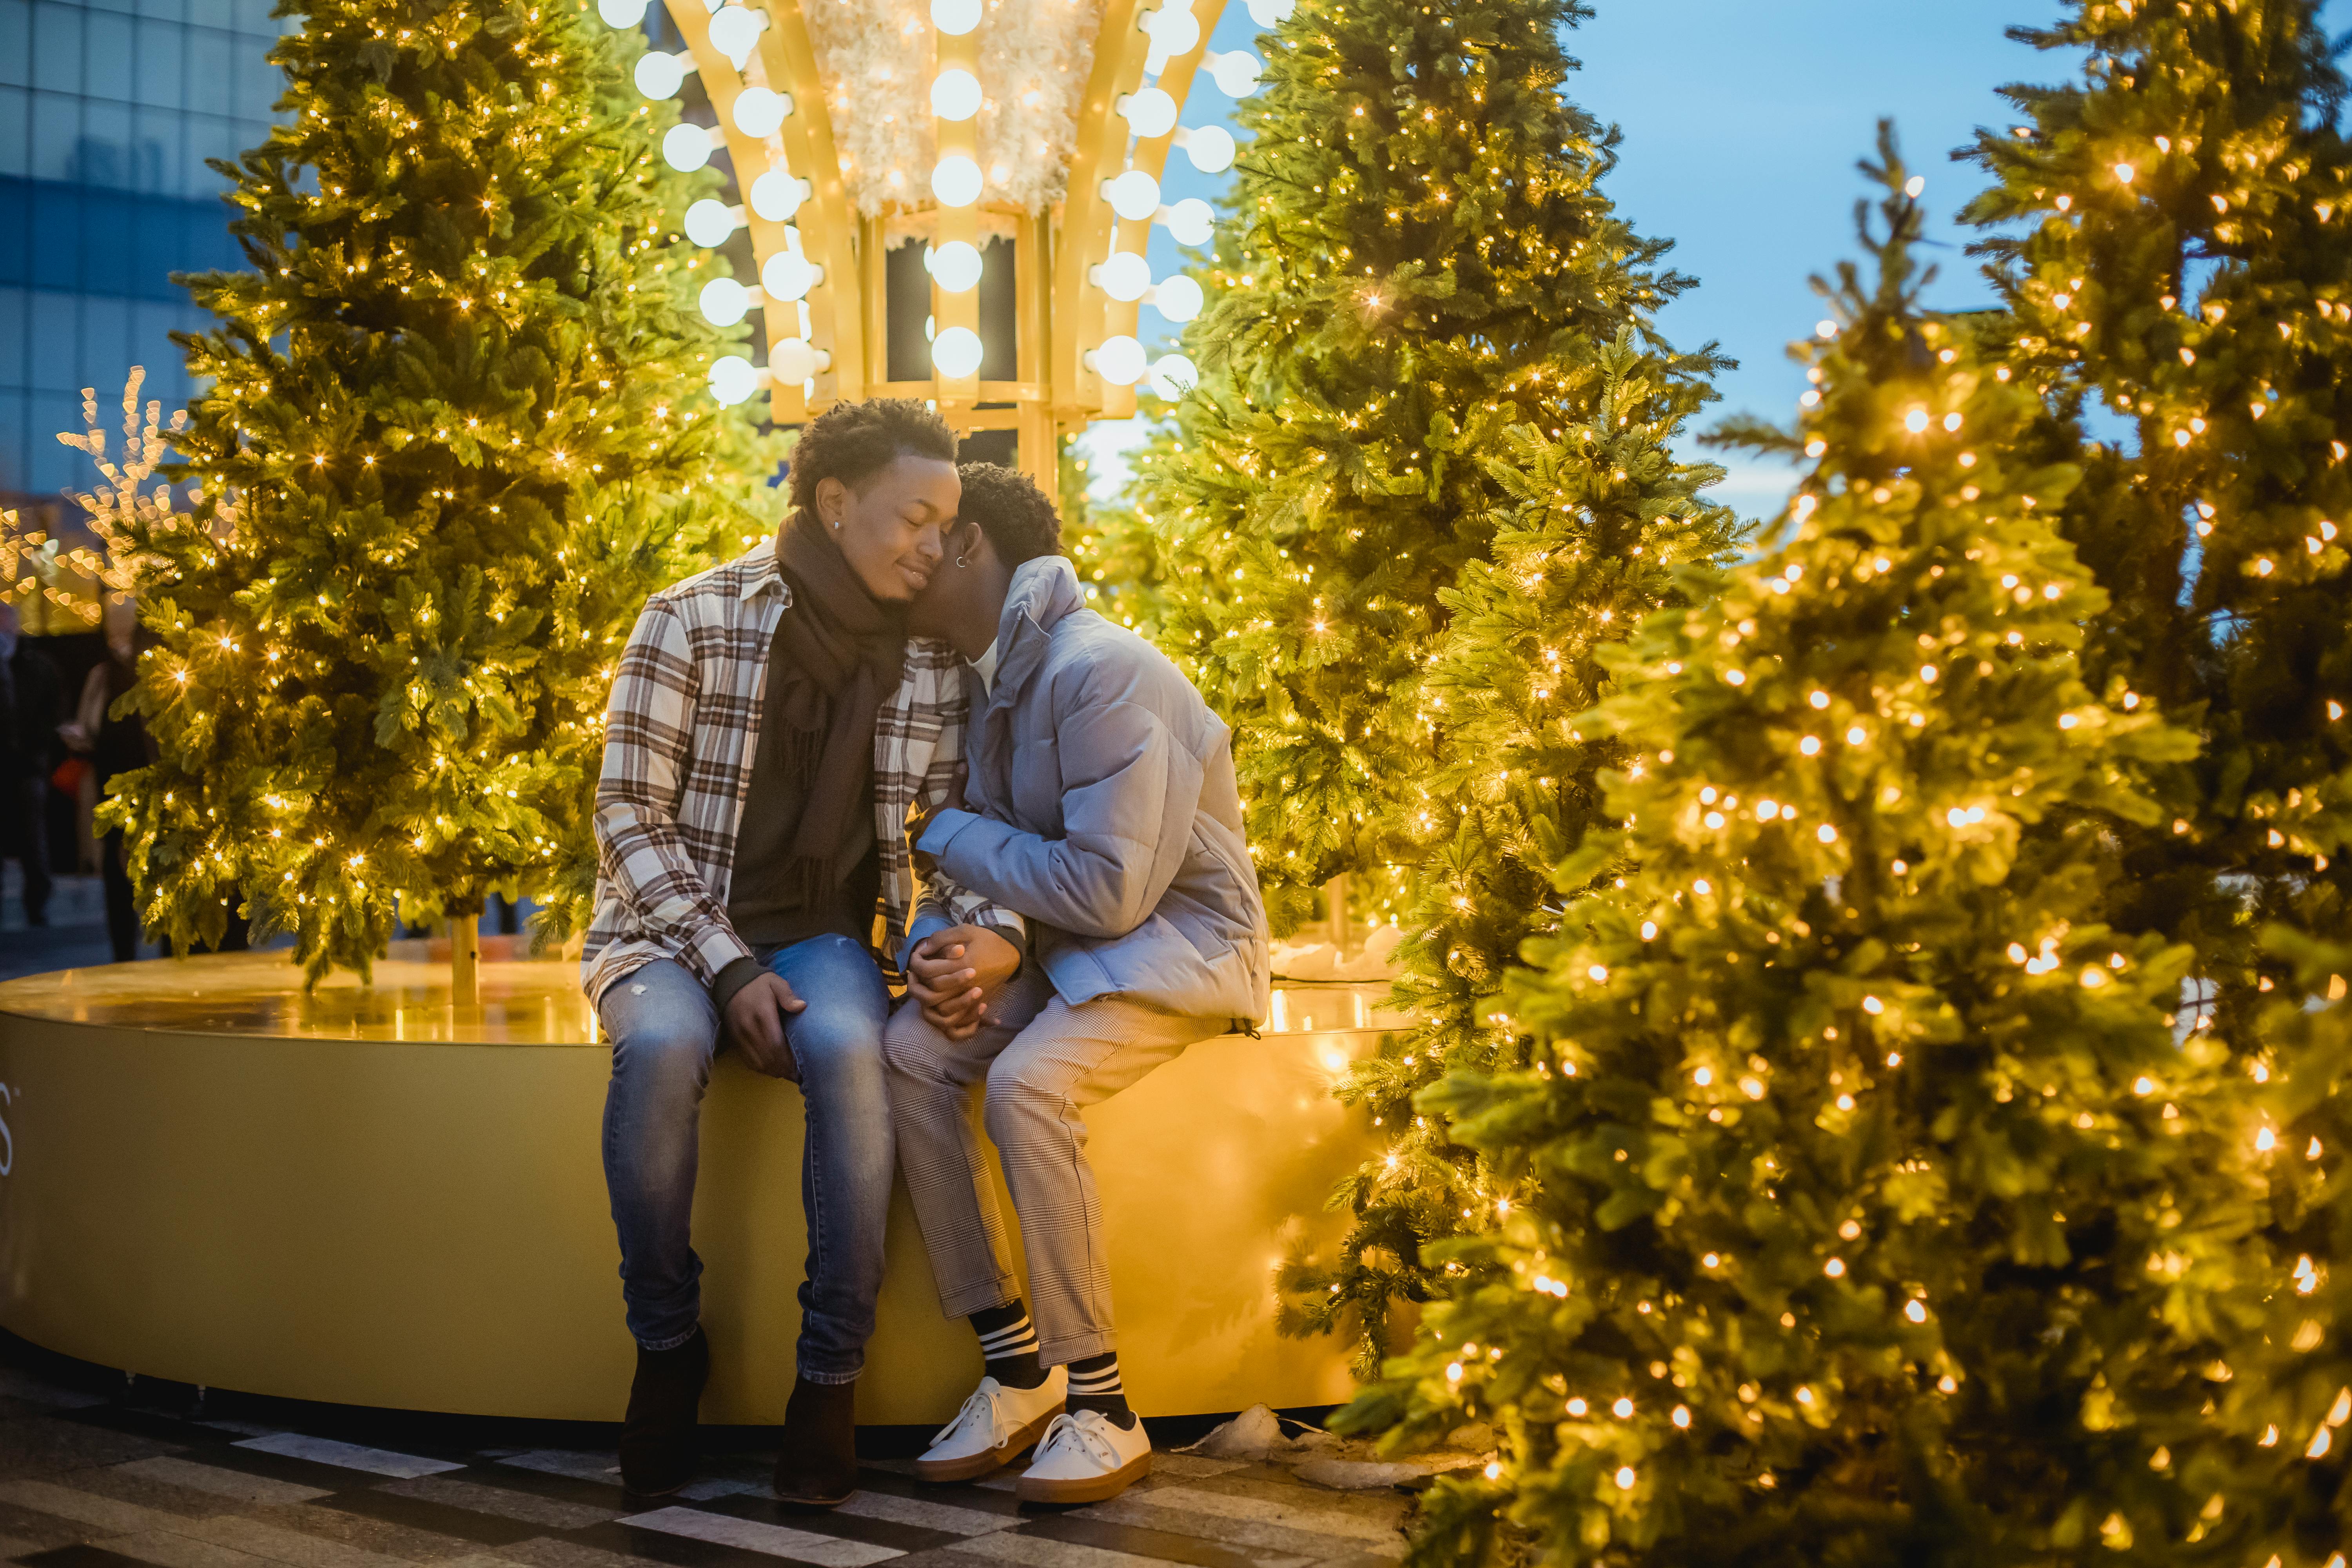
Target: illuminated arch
[(1064, 314)]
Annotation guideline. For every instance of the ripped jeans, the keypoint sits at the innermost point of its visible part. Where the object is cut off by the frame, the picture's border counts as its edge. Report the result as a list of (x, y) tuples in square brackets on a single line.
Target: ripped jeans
[(664, 1031)]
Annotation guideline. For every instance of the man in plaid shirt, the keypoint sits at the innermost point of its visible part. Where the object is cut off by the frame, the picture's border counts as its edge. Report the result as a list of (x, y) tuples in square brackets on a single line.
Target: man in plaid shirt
[(770, 731)]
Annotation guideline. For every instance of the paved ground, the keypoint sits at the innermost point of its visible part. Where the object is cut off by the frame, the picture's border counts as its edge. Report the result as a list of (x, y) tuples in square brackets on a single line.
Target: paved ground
[(76, 933), (98, 1473)]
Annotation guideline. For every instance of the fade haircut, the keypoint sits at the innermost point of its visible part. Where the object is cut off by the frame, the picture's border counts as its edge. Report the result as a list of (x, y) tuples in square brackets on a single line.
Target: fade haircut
[(852, 442), (1017, 517)]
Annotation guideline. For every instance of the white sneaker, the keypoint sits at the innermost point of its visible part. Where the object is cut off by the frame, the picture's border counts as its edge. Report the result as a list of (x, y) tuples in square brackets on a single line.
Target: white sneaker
[(1085, 1458), (995, 1424)]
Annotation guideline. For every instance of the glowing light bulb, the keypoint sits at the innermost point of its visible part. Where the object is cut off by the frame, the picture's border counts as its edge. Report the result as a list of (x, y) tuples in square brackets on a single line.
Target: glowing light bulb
[(1119, 360), (956, 265), (1235, 72), (658, 75), (687, 147), (785, 276), (955, 94), (1134, 195), (957, 351), (1912, 187), (1211, 147), (724, 301), (709, 221), (1174, 31), (1173, 375), (1915, 421), (1124, 278), (1178, 299), (777, 195), (760, 111), (1150, 112), (1191, 221), (956, 181), (735, 33), (794, 360), (955, 17), (733, 379)]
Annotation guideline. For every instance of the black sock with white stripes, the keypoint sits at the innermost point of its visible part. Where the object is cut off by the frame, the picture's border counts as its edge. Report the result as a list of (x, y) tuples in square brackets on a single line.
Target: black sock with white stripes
[(1094, 1385), (1009, 1345)]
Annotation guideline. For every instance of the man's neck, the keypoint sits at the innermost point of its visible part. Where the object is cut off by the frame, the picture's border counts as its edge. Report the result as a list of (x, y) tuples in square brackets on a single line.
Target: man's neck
[(975, 633), (972, 629)]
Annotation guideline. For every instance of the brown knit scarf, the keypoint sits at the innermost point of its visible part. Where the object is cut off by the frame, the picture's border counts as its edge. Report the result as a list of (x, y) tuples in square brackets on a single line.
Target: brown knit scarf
[(845, 652)]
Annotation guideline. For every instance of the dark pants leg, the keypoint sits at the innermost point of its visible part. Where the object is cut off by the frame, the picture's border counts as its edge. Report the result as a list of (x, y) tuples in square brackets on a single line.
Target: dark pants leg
[(121, 915)]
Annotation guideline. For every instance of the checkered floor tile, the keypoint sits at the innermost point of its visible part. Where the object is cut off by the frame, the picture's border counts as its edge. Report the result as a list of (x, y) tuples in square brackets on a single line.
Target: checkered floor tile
[(95, 1477)]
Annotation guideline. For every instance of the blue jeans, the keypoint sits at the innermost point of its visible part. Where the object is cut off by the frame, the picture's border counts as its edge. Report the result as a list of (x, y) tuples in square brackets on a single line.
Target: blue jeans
[(664, 1030)]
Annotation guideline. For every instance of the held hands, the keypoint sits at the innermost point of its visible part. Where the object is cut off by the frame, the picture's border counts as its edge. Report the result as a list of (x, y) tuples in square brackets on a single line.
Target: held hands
[(950, 971), (755, 1017), (952, 801)]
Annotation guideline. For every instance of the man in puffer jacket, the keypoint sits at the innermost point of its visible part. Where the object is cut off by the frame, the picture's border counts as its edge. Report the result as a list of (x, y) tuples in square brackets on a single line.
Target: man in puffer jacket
[(1101, 803)]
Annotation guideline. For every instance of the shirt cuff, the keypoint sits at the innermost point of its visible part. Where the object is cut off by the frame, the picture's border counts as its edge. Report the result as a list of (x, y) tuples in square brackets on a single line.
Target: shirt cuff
[(732, 979), (927, 922)]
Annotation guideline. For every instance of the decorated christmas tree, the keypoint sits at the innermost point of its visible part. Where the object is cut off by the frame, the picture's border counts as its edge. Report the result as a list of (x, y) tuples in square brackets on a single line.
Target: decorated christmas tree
[(454, 431), (2185, 261), (1418, 260), (1860, 1195), (1597, 527), (1111, 539)]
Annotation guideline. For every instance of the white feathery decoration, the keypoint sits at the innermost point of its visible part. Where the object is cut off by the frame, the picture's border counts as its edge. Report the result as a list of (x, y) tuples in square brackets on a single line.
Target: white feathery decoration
[(877, 58), (1034, 59)]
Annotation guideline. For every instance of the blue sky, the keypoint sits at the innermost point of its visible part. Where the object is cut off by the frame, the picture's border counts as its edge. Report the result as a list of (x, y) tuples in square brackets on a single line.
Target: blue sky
[(1743, 120)]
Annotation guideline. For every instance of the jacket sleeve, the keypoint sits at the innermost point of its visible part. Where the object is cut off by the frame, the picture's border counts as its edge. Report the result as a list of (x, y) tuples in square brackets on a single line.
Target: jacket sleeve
[(649, 726), (1129, 793), (944, 904), (941, 901)]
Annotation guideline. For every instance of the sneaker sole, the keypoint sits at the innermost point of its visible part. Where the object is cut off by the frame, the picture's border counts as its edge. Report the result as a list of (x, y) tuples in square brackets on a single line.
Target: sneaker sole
[(942, 1470), (1084, 1488)]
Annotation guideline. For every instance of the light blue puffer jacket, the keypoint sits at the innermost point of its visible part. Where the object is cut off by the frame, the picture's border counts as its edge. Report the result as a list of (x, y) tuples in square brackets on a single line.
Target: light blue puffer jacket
[(1104, 808)]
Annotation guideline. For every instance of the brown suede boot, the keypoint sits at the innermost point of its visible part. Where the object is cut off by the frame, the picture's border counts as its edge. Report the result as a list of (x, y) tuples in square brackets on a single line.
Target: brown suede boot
[(659, 1445), (818, 1465)]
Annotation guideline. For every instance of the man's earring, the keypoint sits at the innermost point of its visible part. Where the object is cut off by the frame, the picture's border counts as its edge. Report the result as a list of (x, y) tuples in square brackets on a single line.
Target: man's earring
[(960, 561)]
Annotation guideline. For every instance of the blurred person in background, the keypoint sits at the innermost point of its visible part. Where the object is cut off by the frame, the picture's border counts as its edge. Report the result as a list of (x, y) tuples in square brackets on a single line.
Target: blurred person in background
[(28, 721), (110, 747)]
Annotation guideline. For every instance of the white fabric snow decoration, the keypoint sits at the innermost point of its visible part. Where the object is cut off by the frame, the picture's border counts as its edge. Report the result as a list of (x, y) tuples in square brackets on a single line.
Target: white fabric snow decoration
[(877, 58)]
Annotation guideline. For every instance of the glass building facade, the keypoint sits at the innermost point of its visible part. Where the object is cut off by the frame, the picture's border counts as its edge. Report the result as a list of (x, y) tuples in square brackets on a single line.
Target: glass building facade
[(109, 109)]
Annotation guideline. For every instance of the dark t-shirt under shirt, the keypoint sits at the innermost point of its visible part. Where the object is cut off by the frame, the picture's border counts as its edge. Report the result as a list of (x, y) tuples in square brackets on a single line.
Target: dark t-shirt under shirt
[(765, 911)]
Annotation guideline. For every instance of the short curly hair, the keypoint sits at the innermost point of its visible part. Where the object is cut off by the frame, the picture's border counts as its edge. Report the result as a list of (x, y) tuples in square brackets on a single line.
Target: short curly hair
[(852, 442), (1018, 518)]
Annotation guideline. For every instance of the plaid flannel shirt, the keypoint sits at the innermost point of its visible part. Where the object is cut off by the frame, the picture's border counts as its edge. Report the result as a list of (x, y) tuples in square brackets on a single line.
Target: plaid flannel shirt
[(680, 731)]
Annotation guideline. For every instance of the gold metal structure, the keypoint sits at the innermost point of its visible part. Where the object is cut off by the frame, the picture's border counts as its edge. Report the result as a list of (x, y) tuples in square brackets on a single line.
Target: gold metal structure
[(1061, 313)]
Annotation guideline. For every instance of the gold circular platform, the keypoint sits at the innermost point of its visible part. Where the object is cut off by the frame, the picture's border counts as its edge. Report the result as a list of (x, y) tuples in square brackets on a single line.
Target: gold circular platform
[(366, 1195)]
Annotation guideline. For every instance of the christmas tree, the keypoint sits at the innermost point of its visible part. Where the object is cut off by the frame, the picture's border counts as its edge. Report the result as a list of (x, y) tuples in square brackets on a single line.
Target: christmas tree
[(2184, 261), (1859, 1196), (1111, 541), (1597, 527), (453, 433), (1419, 260)]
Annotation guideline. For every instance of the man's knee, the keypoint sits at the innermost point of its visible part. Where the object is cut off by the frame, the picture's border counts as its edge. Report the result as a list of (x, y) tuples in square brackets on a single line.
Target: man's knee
[(1022, 1101), (669, 1049), (831, 1039), (911, 1045)]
